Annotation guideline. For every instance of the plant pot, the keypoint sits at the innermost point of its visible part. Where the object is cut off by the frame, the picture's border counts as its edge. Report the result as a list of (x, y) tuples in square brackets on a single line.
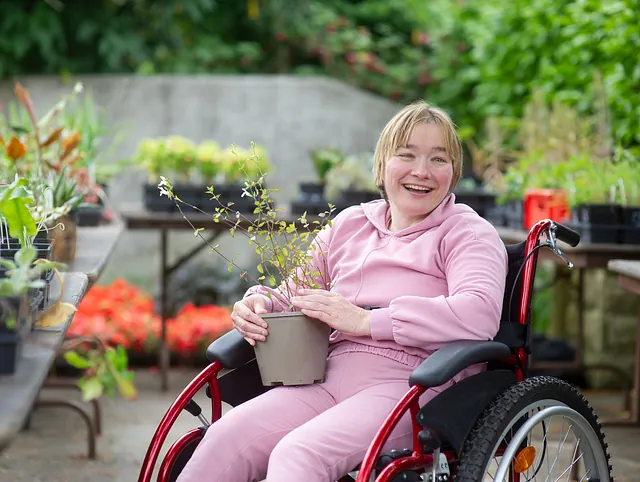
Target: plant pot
[(230, 193), (89, 215), (630, 235), (312, 193), (63, 240), (16, 315), (479, 200), (43, 250), (514, 214), (193, 194), (496, 215), (9, 353), (598, 214), (295, 352), (631, 216), (154, 202), (597, 233)]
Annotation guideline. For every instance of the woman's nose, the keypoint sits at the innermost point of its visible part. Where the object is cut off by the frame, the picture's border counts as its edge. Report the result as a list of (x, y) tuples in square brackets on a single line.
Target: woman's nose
[(421, 168)]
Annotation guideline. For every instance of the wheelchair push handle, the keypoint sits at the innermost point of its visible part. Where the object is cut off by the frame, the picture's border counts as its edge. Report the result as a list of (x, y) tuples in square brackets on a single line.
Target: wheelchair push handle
[(566, 235)]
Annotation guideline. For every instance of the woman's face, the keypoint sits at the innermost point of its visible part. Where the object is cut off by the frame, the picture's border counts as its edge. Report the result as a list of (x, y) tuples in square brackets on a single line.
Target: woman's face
[(418, 176)]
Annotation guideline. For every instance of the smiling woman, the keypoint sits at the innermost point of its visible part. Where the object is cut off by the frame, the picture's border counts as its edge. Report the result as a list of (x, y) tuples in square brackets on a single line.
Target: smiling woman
[(434, 271)]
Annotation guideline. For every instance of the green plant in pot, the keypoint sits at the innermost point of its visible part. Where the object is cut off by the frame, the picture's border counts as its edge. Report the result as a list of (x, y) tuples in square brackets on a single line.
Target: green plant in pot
[(324, 160), (351, 181), (295, 351)]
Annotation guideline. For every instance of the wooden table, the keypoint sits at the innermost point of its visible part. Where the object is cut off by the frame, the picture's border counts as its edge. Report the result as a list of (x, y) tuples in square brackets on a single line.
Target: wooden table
[(629, 280), (18, 392), (94, 248), (584, 256)]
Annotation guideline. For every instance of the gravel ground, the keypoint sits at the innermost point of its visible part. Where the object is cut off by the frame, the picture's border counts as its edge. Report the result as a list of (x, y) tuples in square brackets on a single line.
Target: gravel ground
[(54, 448)]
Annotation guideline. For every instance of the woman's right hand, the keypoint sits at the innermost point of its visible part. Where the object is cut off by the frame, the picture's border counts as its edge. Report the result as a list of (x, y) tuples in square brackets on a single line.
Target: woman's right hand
[(246, 319)]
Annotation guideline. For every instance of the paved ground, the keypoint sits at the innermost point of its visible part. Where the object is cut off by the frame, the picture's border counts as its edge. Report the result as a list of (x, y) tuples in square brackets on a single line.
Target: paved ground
[(54, 449)]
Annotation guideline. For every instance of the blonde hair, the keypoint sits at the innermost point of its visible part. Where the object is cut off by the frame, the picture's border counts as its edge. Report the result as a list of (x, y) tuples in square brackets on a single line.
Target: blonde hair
[(398, 130)]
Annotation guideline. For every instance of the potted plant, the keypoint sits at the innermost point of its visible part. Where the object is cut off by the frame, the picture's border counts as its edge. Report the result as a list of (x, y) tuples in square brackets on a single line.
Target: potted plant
[(295, 350), (351, 182), (237, 166), (20, 282), (312, 195)]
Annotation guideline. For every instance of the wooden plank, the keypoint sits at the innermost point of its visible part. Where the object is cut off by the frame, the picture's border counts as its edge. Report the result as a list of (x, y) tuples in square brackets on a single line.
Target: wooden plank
[(94, 248), (625, 267), (19, 391)]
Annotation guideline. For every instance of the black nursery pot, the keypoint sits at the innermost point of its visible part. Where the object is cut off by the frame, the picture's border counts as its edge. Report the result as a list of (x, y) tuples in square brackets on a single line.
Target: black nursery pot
[(599, 214), (232, 193), (89, 215), (312, 192), (480, 201), (193, 194), (630, 232), (350, 198), (154, 202), (14, 313), (514, 214), (43, 250)]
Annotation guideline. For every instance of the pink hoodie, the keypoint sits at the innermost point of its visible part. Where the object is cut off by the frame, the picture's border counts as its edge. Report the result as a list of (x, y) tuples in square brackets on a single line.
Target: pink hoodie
[(438, 281)]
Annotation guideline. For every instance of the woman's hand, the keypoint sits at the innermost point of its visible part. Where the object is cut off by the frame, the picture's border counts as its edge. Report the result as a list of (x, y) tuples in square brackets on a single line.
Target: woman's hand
[(334, 310), (246, 319)]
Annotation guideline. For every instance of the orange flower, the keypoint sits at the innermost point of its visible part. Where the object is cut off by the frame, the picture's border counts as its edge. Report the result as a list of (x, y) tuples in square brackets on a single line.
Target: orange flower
[(16, 149)]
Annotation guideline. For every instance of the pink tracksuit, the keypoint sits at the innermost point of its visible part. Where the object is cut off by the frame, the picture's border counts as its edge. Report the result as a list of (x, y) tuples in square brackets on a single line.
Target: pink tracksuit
[(438, 281)]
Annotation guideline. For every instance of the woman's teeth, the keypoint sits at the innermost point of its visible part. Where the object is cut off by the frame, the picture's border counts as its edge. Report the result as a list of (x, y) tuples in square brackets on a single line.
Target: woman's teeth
[(416, 188)]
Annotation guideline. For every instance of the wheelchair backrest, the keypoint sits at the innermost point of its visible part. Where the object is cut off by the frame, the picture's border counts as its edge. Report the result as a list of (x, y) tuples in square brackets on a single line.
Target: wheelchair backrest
[(511, 332)]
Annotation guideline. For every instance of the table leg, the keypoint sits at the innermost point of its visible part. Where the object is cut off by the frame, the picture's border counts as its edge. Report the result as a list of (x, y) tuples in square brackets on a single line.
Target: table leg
[(164, 349)]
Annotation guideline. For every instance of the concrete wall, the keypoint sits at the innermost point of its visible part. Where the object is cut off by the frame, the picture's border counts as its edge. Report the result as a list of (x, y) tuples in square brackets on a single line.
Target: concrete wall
[(288, 115)]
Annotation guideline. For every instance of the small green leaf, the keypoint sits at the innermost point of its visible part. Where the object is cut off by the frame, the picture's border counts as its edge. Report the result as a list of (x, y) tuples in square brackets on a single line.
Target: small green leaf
[(92, 388), (260, 269), (25, 256), (76, 360)]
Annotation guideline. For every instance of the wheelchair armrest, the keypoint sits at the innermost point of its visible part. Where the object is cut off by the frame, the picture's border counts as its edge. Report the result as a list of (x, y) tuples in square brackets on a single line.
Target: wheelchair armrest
[(231, 350), (451, 359)]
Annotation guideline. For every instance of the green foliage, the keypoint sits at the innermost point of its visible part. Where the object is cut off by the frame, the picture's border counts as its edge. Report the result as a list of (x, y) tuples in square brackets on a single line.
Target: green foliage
[(475, 58), (105, 369), (23, 273), (282, 247), (488, 59)]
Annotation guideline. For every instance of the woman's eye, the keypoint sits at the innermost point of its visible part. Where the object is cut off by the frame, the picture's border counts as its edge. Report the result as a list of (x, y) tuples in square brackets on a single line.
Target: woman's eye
[(406, 155), (440, 159)]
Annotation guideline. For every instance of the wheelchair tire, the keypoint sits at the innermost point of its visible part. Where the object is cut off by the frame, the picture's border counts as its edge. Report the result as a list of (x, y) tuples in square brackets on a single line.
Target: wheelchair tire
[(480, 445)]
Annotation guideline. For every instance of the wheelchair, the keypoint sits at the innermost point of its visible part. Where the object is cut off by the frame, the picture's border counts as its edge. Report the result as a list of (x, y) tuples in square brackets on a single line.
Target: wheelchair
[(481, 428)]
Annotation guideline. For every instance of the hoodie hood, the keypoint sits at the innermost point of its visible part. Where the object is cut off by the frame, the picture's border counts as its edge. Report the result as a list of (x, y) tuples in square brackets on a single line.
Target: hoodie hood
[(377, 212)]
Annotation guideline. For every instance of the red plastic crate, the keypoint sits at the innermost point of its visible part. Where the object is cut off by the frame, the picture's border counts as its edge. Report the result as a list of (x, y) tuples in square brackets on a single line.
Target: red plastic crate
[(545, 204)]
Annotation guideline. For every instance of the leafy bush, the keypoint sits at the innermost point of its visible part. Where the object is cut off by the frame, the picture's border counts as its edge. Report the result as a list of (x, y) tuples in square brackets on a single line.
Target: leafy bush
[(488, 59)]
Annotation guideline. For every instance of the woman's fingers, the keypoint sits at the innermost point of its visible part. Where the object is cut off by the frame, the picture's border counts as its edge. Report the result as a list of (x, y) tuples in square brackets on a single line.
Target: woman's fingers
[(243, 320), (247, 313)]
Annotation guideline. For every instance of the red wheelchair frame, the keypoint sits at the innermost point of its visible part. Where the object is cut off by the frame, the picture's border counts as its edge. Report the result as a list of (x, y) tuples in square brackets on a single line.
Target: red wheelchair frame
[(409, 401)]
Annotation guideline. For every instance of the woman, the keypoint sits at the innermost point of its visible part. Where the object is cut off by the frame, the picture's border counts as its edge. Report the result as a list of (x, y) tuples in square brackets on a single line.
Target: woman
[(436, 270)]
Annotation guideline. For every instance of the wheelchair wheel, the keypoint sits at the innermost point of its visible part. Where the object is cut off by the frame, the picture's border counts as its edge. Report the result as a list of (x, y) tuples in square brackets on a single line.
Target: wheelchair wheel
[(566, 447)]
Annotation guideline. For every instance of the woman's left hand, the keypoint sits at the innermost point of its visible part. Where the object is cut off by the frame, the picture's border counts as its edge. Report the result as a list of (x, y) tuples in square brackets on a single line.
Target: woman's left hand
[(334, 310)]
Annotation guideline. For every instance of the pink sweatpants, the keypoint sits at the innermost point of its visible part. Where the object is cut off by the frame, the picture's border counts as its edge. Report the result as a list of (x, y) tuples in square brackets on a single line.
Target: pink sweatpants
[(313, 433)]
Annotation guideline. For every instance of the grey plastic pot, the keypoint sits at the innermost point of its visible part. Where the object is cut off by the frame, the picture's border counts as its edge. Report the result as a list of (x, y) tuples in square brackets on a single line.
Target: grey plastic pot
[(295, 352)]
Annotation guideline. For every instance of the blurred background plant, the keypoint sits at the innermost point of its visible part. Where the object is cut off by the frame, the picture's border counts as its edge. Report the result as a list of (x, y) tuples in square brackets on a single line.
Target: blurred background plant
[(460, 54)]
